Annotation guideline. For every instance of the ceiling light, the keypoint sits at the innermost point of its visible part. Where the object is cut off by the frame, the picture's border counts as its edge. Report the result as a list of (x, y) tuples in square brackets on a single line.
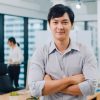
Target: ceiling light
[(78, 5)]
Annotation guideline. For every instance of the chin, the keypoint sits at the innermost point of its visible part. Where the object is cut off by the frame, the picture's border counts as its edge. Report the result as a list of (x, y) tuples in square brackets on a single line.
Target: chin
[(60, 39)]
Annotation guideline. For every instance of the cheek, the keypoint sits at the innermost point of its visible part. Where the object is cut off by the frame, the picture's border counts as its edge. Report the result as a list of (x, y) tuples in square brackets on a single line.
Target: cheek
[(53, 28), (68, 28)]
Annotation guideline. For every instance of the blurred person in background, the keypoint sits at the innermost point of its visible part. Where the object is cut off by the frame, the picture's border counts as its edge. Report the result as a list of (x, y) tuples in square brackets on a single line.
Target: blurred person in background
[(14, 61)]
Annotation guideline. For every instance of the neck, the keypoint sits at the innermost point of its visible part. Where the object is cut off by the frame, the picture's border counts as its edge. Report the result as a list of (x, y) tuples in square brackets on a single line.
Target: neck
[(62, 45)]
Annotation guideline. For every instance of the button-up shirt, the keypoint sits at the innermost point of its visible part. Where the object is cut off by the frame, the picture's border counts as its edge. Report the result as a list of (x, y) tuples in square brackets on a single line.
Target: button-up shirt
[(15, 55), (77, 59)]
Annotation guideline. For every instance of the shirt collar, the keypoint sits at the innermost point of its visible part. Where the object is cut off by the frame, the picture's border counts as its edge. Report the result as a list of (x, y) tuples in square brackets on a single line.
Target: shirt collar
[(72, 46), (52, 47)]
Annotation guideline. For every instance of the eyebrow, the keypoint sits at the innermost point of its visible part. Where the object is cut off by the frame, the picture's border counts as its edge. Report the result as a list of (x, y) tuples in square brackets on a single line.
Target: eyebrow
[(62, 20)]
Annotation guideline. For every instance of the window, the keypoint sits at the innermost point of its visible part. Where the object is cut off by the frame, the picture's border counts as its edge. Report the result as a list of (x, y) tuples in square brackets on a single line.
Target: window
[(14, 26), (33, 25)]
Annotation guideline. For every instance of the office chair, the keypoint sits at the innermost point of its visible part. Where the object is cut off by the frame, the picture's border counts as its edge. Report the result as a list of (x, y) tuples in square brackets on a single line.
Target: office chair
[(3, 69), (5, 83)]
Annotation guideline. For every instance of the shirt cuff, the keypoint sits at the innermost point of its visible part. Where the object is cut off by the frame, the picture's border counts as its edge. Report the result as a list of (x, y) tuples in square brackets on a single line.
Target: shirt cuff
[(87, 88), (36, 88)]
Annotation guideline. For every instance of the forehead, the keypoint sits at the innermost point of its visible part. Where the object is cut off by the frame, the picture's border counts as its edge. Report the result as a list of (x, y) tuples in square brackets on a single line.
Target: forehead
[(9, 41), (63, 17)]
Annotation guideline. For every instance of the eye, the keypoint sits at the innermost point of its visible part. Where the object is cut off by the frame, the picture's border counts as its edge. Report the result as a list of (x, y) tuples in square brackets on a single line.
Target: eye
[(65, 22), (55, 22)]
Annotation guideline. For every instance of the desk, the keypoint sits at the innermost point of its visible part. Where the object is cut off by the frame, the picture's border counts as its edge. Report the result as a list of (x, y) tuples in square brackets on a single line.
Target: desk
[(23, 95), (94, 97)]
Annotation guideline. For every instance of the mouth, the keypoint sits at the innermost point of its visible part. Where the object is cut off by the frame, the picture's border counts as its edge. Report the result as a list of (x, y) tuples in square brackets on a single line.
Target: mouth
[(60, 33)]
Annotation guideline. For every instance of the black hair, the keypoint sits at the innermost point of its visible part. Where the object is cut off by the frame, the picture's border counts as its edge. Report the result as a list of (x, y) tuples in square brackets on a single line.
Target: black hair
[(12, 39), (59, 10), (18, 44)]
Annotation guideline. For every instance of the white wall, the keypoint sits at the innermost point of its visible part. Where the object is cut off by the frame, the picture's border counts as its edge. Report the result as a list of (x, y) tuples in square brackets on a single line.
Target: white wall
[(42, 37), (98, 20), (24, 8), (98, 26), (86, 17)]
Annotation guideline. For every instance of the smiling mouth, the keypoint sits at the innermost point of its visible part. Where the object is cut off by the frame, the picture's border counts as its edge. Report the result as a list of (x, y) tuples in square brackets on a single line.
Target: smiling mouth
[(60, 32)]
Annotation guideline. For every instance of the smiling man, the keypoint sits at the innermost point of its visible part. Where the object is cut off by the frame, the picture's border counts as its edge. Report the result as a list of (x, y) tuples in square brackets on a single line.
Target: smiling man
[(62, 70)]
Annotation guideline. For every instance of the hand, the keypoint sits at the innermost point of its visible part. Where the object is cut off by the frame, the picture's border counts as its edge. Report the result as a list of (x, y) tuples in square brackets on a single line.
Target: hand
[(76, 79)]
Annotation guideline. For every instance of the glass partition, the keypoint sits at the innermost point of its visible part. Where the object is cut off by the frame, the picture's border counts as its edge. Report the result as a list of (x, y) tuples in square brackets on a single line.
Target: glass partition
[(33, 25), (14, 26)]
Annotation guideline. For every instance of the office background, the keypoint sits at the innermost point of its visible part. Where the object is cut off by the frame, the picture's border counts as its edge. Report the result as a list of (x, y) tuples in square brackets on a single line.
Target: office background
[(23, 18)]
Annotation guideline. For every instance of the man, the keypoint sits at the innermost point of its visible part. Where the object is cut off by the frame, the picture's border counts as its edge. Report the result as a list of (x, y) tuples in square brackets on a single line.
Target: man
[(14, 61), (62, 70)]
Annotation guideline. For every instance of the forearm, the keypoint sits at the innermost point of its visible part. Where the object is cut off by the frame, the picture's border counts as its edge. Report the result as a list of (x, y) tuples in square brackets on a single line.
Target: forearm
[(54, 86), (72, 90)]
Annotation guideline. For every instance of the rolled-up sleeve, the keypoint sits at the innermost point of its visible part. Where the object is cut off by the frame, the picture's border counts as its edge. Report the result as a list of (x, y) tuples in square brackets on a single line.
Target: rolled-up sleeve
[(88, 87), (36, 88), (36, 74), (90, 72)]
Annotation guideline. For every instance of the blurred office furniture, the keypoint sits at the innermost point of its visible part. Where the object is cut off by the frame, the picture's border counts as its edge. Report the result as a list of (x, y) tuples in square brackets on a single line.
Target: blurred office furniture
[(22, 95), (96, 96), (25, 95), (5, 84), (3, 69)]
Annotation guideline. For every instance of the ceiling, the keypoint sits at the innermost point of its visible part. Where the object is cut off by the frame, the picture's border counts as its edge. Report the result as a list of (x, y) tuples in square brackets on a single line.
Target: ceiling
[(71, 1), (88, 6), (81, 0)]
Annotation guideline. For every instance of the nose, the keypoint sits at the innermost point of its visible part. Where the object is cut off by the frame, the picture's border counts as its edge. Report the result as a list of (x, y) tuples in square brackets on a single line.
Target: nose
[(60, 26)]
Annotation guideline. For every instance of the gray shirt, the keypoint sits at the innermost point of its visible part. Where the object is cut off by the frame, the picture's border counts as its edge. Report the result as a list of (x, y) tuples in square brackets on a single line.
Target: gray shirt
[(76, 59)]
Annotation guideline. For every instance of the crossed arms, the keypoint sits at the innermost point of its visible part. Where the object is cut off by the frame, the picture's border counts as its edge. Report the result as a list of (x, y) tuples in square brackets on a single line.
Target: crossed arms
[(74, 85), (67, 85)]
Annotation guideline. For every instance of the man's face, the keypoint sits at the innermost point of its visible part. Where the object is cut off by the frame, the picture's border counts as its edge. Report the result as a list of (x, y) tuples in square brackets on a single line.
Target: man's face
[(60, 27)]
